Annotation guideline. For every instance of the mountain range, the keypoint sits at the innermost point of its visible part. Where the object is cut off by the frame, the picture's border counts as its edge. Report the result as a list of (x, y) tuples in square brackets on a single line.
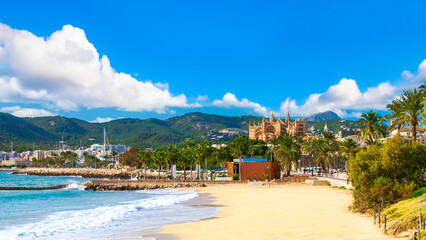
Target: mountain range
[(45, 132)]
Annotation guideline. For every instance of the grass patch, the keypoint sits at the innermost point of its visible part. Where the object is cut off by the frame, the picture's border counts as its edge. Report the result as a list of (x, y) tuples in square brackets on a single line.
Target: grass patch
[(403, 215), (342, 187), (418, 193)]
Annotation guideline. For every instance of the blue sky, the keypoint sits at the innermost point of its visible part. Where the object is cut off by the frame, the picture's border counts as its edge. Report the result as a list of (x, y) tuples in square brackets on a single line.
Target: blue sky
[(167, 58)]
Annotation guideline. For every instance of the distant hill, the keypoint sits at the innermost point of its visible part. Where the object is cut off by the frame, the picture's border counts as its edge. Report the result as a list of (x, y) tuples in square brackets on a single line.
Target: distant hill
[(21, 132), (333, 125), (45, 132), (322, 116)]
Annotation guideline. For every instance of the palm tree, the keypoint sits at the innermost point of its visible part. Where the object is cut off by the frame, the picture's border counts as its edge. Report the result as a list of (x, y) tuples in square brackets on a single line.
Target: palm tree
[(258, 148), (206, 152), (114, 155), (374, 142), (144, 158), (170, 155), (189, 154), (239, 148), (329, 136), (183, 159), (106, 158), (410, 107), (372, 125), (397, 112), (73, 159), (158, 158), (85, 156), (287, 151), (422, 89), (347, 147), (224, 155), (322, 152)]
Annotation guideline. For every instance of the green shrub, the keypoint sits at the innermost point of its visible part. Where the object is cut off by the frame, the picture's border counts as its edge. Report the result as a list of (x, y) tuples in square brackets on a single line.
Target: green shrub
[(418, 193), (391, 173), (266, 176), (236, 177)]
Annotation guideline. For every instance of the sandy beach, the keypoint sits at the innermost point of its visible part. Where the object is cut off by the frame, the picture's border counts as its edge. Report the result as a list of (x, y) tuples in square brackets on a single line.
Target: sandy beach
[(291, 211)]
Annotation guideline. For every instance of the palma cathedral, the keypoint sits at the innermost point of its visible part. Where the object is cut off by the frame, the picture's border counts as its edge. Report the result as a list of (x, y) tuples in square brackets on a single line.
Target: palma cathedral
[(270, 129)]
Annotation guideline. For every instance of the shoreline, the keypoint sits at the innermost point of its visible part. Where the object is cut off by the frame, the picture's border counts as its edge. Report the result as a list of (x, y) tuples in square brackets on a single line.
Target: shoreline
[(82, 172), (283, 211)]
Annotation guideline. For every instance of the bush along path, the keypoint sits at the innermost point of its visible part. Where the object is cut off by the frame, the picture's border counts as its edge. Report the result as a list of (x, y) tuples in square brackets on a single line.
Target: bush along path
[(405, 218)]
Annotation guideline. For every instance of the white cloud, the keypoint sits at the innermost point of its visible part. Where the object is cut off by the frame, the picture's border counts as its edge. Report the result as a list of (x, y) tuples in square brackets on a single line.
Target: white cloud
[(102, 120), (202, 98), (229, 100), (66, 71), (407, 74), (412, 80), (27, 112), (342, 97)]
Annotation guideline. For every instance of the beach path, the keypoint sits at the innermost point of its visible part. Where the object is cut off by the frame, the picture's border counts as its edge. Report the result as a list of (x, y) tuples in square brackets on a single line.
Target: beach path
[(293, 211)]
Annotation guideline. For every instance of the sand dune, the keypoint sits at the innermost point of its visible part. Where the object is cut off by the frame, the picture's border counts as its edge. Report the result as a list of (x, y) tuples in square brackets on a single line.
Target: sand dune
[(294, 211)]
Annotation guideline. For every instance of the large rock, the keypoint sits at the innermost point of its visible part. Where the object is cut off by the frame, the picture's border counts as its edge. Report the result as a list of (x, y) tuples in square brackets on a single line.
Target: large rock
[(117, 185)]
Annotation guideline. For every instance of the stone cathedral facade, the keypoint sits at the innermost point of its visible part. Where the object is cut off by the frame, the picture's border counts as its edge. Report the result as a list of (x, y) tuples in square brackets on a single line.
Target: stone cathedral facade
[(268, 130)]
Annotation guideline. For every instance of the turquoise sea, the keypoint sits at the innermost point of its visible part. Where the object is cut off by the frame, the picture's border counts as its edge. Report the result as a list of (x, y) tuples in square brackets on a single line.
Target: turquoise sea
[(73, 213)]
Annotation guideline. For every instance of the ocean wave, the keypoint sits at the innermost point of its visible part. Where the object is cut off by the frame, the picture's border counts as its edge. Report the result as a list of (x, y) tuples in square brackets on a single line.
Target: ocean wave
[(70, 222), (75, 186)]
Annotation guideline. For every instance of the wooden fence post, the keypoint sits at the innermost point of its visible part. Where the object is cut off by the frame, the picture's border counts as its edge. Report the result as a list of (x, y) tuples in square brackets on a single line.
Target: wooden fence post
[(420, 226), (374, 216), (424, 221), (385, 225)]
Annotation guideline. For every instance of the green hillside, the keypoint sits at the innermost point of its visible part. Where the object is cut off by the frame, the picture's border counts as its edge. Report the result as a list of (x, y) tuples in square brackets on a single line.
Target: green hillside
[(45, 132), (136, 132), (334, 125), (22, 133)]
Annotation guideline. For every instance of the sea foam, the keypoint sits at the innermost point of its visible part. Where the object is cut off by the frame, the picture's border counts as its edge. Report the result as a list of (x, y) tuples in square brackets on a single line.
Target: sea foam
[(75, 186), (101, 219)]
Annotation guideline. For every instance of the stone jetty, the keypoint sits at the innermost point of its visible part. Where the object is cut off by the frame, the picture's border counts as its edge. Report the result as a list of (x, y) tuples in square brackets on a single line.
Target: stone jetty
[(120, 185), (83, 172), (33, 188)]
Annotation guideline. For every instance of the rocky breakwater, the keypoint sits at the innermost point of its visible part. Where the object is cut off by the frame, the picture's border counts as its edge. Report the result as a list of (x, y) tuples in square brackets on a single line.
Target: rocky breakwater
[(115, 185), (83, 172), (33, 188)]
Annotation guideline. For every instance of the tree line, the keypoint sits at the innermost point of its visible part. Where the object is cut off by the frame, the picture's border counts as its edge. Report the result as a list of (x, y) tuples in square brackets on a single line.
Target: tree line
[(71, 159), (390, 171)]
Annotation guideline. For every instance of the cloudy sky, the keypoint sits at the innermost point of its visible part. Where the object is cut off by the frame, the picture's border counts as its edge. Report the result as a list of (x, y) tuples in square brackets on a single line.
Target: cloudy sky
[(103, 60)]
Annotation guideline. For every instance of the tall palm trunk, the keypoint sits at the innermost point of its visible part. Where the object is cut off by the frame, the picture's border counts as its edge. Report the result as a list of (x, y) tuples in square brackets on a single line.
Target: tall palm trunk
[(414, 130), (158, 172), (206, 169), (191, 173), (145, 172), (184, 171)]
